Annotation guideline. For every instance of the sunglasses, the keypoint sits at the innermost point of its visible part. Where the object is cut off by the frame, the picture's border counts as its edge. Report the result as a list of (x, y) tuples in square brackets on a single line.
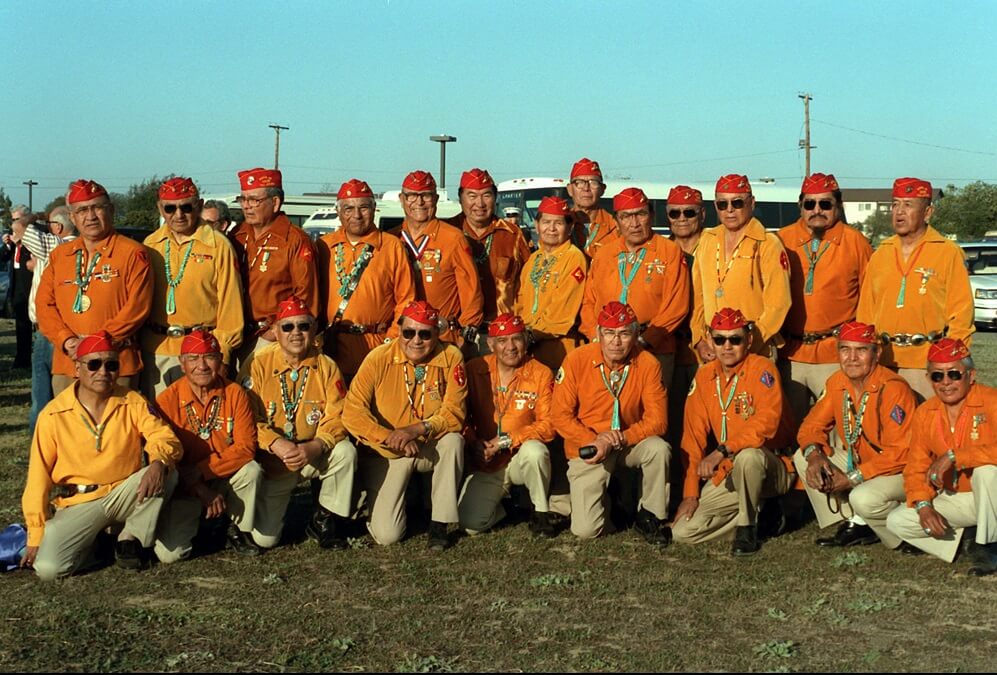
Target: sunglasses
[(721, 340), (825, 204), (303, 326), (688, 213), (423, 333), (110, 365), (939, 375), (735, 203), (170, 209)]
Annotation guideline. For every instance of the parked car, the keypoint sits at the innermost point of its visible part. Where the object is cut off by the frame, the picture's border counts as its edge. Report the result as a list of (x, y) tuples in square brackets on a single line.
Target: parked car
[(981, 261)]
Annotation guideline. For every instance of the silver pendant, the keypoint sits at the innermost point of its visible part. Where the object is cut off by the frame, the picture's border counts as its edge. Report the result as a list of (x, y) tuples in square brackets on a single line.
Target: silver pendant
[(205, 434), (289, 429), (720, 293)]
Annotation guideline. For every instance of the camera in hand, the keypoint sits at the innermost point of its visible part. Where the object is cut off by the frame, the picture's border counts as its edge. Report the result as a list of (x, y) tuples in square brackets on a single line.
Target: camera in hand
[(587, 451)]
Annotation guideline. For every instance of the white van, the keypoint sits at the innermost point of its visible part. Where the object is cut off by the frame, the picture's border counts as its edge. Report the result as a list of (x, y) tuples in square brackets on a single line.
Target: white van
[(388, 214)]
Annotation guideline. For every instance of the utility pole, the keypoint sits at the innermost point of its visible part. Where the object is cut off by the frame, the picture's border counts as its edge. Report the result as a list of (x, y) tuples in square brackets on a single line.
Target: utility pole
[(276, 149), (443, 140), (805, 143), (30, 184)]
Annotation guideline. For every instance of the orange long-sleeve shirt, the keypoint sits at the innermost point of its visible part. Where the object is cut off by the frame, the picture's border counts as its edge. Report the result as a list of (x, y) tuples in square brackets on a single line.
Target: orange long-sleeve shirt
[(120, 293), (386, 287), (842, 257), (64, 451), (446, 276), (658, 293), (756, 282), (940, 270), (499, 252), (757, 416), (278, 264), (209, 293), (882, 447), (555, 283), (583, 406), (974, 442), (524, 408), (385, 396), (232, 443), (591, 233)]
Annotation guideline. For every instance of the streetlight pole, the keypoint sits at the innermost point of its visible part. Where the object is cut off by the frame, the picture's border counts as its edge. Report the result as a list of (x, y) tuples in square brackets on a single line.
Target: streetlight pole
[(276, 150), (30, 184), (443, 140), (805, 142)]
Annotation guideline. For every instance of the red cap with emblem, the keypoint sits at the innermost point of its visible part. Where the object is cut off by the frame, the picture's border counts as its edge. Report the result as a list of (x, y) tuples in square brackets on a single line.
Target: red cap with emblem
[(506, 324), (630, 198), (947, 350), (682, 195), (422, 312), (354, 188), (910, 188), (178, 188), (856, 331), (476, 179), (819, 183), (92, 344), (616, 315), (419, 181), (735, 184), (586, 167), (293, 306), (200, 342), (554, 206), (728, 319), (84, 190), (250, 179)]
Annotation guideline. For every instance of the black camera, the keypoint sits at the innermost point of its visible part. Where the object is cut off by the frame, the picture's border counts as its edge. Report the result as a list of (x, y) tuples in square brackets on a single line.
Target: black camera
[(587, 451)]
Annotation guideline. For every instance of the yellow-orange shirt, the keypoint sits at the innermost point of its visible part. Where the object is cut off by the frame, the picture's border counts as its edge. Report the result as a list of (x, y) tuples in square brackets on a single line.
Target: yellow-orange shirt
[(64, 451), (551, 288)]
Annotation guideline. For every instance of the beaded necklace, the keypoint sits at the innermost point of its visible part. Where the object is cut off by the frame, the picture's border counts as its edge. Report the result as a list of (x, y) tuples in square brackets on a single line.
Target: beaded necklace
[(849, 429), (171, 281), (635, 259), (813, 255), (724, 405), (614, 384), (82, 302), (482, 257), (97, 432), (419, 376), (730, 263), (204, 427), (542, 265), (290, 404)]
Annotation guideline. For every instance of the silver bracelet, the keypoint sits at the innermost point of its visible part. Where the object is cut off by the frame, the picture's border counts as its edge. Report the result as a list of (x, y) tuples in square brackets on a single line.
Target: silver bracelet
[(505, 442), (855, 477), (924, 503), (809, 450)]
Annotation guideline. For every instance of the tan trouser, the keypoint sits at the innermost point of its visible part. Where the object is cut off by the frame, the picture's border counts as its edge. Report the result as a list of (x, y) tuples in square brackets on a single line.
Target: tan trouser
[(758, 474), (804, 383), (918, 380), (182, 515), (159, 372), (70, 533), (480, 504), (961, 510), (61, 382), (335, 470), (589, 483)]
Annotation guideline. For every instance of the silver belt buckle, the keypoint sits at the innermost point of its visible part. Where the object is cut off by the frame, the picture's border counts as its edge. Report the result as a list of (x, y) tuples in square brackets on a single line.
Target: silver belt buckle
[(175, 331), (918, 339), (357, 329), (263, 324)]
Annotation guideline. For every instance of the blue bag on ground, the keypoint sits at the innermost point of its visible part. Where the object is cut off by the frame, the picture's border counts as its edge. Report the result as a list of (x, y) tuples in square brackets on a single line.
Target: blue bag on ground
[(13, 541)]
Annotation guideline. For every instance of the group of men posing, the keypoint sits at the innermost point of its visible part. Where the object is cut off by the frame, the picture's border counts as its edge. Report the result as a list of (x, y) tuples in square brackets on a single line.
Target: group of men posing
[(448, 349)]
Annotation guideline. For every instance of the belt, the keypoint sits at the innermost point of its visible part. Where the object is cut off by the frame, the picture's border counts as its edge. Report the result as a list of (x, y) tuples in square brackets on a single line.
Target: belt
[(360, 328), (812, 338), (71, 490), (914, 339), (176, 331)]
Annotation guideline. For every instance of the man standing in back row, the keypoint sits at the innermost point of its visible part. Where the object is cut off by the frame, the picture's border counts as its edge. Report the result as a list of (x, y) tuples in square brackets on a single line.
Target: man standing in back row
[(594, 226)]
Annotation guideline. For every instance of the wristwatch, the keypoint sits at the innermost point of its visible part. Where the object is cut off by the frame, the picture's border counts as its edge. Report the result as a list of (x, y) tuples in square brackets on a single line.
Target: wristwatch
[(427, 428), (469, 333), (505, 442), (722, 449)]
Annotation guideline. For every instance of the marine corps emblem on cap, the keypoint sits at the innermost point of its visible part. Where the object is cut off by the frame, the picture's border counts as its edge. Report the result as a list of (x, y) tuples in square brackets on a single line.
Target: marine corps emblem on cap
[(200, 342), (506, 324), (728, 319), (293, 306), (554, 206), (422, 312), (911, 188), (947, 350), (353, 189), (856, 331), (476, 179), (586, 167), (260, 178), (818, 183), (84, 190), (682, 195), (177, 188), (419, 181), (630, 198), (616, 315), (733, 183)]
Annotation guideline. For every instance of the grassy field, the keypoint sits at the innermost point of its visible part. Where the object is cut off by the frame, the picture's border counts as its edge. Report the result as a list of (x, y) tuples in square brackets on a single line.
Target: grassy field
[(502, 601)]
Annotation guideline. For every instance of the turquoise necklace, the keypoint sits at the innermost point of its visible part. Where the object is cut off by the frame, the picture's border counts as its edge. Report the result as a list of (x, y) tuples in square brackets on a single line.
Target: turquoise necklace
[(540, 273), (852, 431), (614, 384), (173, 282), (627, 278), (83, 282)]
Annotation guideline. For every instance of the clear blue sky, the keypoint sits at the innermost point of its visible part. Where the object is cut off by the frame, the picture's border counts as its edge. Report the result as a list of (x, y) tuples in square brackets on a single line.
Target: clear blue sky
[(664, 91)]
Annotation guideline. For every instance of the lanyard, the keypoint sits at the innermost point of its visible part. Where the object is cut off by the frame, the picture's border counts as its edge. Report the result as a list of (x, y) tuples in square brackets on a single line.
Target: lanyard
[(724, 405), (541, 272), (502, 399), (259, 249), (593, 233), (420, 378), (852, 431), (730, 263), (171, 281), (291, 405), (902, 295), (415, 250), (627, 279), (83, 282), (813, 255), (618, 380), (97, 432), (482, 258), (203, 426)]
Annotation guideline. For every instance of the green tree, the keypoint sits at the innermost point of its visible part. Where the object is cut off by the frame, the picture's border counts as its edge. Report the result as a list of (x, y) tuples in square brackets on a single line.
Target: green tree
[(137, 207), (878, 226), (968, 212), (58, 201), (5, 205)]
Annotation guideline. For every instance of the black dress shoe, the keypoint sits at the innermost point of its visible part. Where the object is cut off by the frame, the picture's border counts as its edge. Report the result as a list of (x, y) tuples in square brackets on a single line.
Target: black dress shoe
[(745, 541), (541, 526), (984, 559), (908, 549), (850, 534), (438, 538), (655, 531), (771, 519), (128, 554), (241, 542), (322, 528)]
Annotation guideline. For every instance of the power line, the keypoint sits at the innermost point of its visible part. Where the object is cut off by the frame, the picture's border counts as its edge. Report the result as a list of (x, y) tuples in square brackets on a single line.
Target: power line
[(907, 140)]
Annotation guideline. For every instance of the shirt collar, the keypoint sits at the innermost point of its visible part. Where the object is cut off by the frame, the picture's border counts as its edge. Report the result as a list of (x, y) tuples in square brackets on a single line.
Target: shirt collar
[(105, 248), (437, 359), (186, 392), (202, 233), (374, 238), (67, 401)]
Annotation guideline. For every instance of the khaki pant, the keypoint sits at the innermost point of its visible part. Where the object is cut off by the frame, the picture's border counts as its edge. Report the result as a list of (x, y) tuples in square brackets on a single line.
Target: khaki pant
[(918, 380), (961, 510), (334, 469), (480, 504), (160, 371), (181, 517), (61, 382), (804, 383), (388, 479), (872, 501), (70, 533), (589, 483), (758, 474)]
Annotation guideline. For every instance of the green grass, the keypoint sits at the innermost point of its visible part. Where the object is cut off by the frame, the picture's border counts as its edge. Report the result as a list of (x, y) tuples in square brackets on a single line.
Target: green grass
[(502, 601)]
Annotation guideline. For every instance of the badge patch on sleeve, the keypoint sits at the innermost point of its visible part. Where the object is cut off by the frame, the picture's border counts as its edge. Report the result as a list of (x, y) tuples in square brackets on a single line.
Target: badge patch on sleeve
[(578, 274), (898, 415), (784, 260), (767, 379), (341, 388), (559, 378), (458, 376), (305, 252)]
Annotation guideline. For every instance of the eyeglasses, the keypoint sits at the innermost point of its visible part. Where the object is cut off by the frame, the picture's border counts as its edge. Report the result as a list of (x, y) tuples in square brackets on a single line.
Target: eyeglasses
[(613, 336), (583, 182), (721, 340), (939, 375), (419, 196), (303, 326), (170, 209), (110, 365), (825, 204), (251, 202), (423, 333), (633, 215), (93, 208), (688, 213), (734, 203)]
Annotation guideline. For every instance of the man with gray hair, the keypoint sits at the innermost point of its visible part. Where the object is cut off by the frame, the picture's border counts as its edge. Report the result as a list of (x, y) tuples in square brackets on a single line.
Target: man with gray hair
[(20, 282), (216, 214), (40, 241)]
